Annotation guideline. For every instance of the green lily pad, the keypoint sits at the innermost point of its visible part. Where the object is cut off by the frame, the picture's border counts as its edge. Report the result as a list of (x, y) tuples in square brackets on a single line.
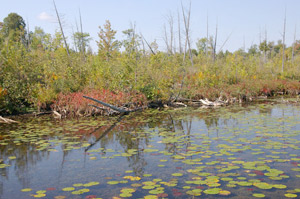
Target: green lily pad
[(12, 157), (212, 191), (224, 193), (127, 190), (258, 195), (113, 182), (148, 187), (263, 185), (91, 184), (26, 190), (151, 197), (78, 185), (125, 195), (41, 191), (40, 195), (290, 195), (68, 189), (279, 186), (80, 191), (177, 174)]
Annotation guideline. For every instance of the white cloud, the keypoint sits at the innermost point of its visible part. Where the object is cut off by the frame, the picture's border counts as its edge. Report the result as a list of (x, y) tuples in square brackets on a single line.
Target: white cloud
[(46, 17)]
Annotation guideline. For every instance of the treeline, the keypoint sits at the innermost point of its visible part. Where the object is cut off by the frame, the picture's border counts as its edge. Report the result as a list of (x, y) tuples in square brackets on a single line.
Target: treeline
[(38, 69)]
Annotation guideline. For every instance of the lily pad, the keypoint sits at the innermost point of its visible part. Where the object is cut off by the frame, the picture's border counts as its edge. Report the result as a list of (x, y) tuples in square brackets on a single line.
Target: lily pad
[(26, 190), (68, 189), (113, 182), (212, 191), (258, 195), (177, 174), (290, 195)]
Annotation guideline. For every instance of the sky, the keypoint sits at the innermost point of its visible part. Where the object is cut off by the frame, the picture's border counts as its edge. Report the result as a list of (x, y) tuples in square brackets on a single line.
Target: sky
[(241, 23)]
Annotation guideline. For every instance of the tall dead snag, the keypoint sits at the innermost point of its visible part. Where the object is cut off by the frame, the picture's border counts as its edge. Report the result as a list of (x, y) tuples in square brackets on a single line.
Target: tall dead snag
[(81, 38), (207, 39), (149, 46), (179, 34), (61, 29), (215, 44), (226, 42), (293, 46), (186, 20), (166, 39), (171, 27), (283, 41), (169, 39)]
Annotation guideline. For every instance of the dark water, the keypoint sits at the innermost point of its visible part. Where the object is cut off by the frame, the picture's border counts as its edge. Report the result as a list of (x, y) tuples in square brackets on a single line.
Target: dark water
[(235, 151)]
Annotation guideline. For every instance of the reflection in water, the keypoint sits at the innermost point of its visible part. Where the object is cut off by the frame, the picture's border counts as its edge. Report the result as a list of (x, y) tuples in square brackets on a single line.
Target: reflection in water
[(55, 149)]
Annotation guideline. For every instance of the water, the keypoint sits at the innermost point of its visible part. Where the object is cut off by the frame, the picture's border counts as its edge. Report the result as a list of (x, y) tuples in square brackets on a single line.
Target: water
[(229, 152)]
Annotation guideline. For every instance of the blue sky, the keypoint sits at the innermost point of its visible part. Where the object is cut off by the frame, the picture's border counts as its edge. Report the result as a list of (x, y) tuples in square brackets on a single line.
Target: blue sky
[(243, 20)]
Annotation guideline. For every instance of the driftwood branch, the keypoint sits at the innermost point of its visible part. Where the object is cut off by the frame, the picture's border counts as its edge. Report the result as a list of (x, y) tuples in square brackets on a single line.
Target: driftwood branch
[(57, 115), (218, 102), (7, 121)]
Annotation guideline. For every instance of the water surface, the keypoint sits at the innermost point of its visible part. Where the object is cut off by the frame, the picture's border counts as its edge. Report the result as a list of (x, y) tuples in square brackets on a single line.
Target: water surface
[(228, 152)]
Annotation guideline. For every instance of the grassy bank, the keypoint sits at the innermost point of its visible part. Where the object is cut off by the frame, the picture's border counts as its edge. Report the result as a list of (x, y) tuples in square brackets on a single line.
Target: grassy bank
[(37, 73)]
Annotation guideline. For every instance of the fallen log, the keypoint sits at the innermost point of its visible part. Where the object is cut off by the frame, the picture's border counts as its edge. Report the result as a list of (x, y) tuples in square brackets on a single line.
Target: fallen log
[(108, 105), (120, 110)]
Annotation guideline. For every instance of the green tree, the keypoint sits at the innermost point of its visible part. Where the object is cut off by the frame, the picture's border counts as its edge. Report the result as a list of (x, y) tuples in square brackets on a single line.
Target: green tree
[(14, 27), (202, 45), (107, 44), (253, 50), (39, 39)]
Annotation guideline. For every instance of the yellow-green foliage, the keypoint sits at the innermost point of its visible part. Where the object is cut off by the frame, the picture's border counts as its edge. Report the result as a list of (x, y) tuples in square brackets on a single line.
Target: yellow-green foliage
[(33, 74)]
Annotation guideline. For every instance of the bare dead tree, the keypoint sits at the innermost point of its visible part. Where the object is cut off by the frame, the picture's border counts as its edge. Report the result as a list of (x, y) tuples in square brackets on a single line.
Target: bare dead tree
[(81, 38), (226, 42), (186, 20), (171, 27), (283, 41), (143, 45), (179, 33), (206, 49), (294, 42), (166, 39), (61, 29), (149, 46), (135, 46), (214, 46)]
